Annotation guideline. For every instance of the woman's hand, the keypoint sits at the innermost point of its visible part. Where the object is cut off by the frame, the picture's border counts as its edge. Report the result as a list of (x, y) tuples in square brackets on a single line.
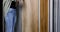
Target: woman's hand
[(19, 2)]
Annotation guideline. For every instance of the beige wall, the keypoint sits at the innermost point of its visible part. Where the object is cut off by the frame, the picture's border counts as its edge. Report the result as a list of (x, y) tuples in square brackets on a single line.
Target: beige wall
[(30, 16)]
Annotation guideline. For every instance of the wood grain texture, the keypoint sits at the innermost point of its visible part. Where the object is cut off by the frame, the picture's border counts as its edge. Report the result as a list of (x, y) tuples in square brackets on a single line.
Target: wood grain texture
[(30, 16), (43, 15)]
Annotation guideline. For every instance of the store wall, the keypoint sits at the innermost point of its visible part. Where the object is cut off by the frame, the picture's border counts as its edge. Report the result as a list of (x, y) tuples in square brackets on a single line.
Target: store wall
[(30, 16)]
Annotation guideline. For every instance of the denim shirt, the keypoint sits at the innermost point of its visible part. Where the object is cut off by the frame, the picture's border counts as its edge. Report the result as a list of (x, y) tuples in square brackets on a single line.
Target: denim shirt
[(10, 20)]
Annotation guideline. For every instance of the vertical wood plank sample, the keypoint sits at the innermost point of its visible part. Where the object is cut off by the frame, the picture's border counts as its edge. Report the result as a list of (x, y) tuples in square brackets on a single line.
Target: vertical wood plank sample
[(43, 15), (30, 16)]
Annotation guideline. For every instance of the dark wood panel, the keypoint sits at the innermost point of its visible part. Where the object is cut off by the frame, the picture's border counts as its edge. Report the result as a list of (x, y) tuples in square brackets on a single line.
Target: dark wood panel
[(43, 15)]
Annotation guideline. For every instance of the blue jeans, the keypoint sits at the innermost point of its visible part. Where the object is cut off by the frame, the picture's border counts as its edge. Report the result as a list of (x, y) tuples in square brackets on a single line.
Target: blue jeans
[(10, 20)]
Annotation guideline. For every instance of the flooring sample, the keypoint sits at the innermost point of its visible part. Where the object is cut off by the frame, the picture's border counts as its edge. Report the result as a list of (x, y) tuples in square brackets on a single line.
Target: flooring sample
[(43, 15), (30, 16)]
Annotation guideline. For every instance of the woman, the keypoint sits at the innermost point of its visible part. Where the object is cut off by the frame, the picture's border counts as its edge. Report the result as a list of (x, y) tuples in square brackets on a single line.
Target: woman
[(10, 18)]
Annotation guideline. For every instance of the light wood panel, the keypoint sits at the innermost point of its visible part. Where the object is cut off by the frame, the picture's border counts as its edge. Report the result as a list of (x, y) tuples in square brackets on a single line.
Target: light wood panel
[(43, 15), (30, 16)]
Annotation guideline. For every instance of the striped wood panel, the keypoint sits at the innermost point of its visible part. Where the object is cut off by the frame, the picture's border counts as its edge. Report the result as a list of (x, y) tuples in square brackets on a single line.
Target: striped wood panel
[(43, 15)]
